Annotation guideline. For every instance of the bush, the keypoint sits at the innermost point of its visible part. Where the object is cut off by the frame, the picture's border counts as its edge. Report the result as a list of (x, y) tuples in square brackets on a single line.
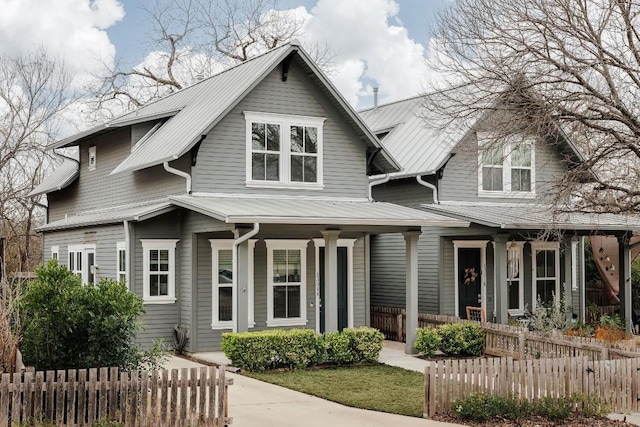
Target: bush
[(273, 349), (427, 341), (461, 339), (299, 348), (365, 343), (70, 325)]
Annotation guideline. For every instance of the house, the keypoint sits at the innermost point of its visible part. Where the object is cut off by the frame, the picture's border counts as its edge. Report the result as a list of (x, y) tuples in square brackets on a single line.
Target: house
[(516, 250), (239, 203)]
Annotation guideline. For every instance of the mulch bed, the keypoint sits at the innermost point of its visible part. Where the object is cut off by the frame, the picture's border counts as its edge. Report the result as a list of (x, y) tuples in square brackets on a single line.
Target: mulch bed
[(575, 420)]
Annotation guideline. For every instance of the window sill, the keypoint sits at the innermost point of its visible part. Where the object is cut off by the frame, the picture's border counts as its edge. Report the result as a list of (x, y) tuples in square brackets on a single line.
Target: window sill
[(287, 322), (507, 194), (284, 185), (228, 325), (158, 300)]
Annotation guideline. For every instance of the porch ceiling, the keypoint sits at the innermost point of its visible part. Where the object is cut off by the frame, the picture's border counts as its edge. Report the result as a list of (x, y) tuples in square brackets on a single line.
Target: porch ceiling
[(317, 211), (534, 216)]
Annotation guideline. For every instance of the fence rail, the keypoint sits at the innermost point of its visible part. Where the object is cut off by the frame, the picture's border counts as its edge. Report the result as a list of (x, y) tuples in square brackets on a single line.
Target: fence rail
[(506, 340), (184, 397), (615, 381)]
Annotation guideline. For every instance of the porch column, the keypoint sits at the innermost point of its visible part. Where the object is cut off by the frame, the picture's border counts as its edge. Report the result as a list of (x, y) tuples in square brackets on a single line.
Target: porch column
[(624, 253), (582, 286), (569, 273), (411, 254), (330, 280), (500, 279), (241, 318)]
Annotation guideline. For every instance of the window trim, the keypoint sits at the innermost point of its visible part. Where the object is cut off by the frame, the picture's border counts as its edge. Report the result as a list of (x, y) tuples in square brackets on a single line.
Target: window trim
[(520, 310), (485, 139), (227, 244), (92, 156), (482, 245), (55, 250), (301, 245), (285, 121), (159, 244), (84, 259), (544, 246), (122, 247)]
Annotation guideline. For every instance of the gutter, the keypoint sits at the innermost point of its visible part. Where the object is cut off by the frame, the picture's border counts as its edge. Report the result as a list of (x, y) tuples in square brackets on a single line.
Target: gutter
[(434, 189), (237, 242), (180, 174), (372, 184)]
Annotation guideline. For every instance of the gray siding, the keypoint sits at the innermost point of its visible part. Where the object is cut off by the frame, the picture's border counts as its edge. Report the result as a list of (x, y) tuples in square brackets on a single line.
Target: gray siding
[(460, 179), (221, 165), (359, 288), (105, 238), (96, 189)]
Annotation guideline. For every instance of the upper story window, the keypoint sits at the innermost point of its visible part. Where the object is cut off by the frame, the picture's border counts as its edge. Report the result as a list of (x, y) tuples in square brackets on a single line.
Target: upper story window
[(159, 264), (284, 151), (505, 169), (92, 158)]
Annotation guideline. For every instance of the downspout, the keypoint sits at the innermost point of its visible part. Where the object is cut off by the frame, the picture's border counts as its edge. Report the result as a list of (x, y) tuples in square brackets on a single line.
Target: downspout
[(236, 243), (180, 174), (434, 189), (377, 182), (127, 242)]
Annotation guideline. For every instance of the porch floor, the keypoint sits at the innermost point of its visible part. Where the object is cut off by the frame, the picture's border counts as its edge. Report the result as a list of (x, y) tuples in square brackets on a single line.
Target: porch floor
[(392, 354)]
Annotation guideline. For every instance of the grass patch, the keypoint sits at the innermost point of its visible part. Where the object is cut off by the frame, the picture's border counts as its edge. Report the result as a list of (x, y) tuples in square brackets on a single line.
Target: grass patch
[(376, 387)]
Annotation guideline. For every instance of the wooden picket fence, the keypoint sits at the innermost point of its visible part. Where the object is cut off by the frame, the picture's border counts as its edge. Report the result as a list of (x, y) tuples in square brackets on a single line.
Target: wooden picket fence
[(613, 381), (507, 340), (184, 397)]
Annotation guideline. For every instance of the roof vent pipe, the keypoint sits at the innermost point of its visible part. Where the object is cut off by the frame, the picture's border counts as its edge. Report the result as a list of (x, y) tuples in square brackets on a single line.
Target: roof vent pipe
[(375, 97), (434, 189)]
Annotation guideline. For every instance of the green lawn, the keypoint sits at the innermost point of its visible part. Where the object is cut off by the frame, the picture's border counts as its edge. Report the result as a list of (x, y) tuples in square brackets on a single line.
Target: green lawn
[(377, 387)]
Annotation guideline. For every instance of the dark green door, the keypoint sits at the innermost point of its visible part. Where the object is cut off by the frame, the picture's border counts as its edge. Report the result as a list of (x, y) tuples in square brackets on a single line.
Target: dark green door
[(469, 279), (343, 306)]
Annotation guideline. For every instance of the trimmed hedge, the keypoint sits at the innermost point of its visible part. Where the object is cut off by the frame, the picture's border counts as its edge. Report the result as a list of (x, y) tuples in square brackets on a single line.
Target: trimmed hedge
[(300, 348), (453, 339)]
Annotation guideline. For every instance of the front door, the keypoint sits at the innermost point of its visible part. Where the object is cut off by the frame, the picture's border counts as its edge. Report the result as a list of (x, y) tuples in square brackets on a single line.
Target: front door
[(343, 303), (469, 279)]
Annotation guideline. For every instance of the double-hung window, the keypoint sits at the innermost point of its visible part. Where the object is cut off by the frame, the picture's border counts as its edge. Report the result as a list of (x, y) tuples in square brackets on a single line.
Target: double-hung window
[(159, 265), (546, 272), (284, 150), (222, 290), (515, 283), (506, 168), (286, 282), (121, 262)]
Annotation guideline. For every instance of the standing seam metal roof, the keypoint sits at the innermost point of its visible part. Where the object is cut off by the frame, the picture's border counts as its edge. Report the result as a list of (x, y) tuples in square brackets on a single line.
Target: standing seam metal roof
[(62, 177)]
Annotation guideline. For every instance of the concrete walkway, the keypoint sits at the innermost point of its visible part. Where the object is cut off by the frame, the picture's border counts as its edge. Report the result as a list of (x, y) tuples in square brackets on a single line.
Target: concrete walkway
[(256, 403)]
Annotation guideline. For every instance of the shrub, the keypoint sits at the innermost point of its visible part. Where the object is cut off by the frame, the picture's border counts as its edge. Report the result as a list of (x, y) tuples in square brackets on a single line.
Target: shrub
[(427, 341), (337, 346), (365, 343), (68, 325), (273, 349), (461, 339)]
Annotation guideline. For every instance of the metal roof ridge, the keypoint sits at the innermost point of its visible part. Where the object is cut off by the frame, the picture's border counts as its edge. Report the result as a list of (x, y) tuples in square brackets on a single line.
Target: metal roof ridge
[(240, 196), (412, 98)]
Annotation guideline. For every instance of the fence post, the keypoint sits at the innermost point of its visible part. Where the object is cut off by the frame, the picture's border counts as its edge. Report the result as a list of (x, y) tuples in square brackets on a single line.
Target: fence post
[(604, 353), (399, 328), (429, 406), (522, 339)]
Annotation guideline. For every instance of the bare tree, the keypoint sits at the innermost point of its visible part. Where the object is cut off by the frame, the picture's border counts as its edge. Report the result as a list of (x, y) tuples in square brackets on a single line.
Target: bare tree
[(571, 68), (193, 39), (34, 89)]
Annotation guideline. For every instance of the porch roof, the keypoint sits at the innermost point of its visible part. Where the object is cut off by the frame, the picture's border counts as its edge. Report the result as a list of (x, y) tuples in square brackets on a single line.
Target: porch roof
[(131, 212), (534, 216), (307, 210)]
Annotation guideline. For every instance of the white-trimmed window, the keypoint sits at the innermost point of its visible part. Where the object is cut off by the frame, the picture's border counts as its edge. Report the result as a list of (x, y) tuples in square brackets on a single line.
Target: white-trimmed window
[(286, 282), (82, 262), (121, 262), (159, 264), (505, 168), (284, 150), (92, 158), (546, 271), (222, 281), (515, 282), (55, 253)]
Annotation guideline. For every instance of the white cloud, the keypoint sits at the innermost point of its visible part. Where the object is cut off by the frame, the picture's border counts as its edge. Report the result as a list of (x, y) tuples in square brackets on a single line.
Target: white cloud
[(73, 30), (369, 32)]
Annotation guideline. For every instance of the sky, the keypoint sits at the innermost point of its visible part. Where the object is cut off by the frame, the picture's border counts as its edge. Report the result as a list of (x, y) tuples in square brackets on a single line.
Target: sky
[(381, 43)]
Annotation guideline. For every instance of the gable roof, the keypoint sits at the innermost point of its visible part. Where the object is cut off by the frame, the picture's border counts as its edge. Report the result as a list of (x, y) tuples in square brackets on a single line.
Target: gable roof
[(192, 112), (422, 148)]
